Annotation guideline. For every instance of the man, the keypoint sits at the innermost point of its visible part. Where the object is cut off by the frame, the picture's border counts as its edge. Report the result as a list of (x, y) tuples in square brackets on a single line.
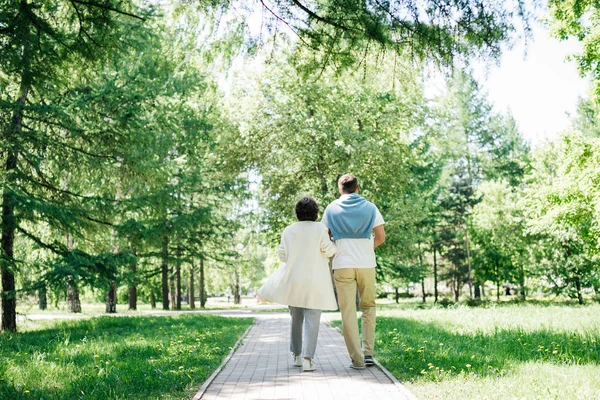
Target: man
[(351, 221)]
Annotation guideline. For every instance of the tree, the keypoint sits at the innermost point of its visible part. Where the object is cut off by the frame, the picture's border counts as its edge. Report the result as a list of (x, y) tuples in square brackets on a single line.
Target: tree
[(340, 32), (38, 52), (474, 144), (576, 18), (458, 205), (499, 235), (564, 214), (305, 133), (587, 119)]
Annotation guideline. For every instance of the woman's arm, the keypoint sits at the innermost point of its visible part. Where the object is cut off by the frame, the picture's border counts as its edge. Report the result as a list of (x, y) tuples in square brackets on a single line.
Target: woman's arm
[(281, 251), (328, 248)]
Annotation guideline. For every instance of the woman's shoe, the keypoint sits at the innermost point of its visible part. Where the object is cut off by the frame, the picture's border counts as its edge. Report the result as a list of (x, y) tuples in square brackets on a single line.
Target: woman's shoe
[(297, 360), (308, 365)]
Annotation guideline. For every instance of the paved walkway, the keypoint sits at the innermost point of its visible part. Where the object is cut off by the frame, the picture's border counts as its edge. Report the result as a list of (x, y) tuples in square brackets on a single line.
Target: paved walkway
[(262, 368)]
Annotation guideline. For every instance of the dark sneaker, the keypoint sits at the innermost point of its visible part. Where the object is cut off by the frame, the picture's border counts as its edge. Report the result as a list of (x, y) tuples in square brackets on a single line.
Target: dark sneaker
[(369, 361)]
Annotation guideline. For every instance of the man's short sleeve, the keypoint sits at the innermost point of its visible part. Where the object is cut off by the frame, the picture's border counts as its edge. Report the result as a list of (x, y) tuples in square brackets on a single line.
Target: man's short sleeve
[(378, 219)]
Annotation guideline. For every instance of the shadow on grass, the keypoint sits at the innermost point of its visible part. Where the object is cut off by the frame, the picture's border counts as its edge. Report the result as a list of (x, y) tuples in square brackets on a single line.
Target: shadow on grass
[(418, 351), (110, 358)]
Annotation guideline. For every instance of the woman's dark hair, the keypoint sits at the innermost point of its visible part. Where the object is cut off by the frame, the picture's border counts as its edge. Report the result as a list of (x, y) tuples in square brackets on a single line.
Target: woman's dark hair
[(307, 209)]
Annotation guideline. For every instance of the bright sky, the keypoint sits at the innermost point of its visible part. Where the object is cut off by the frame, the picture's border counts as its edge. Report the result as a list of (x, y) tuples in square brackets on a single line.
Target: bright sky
[(537, 84)]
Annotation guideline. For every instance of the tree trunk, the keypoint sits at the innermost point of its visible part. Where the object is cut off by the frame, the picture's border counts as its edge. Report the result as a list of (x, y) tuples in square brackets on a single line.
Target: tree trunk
[(397, 295), (192, 289), (522, 282), (477, 291), (203, 296), (43, 298), (435, 275), (132, 292), (172, 287), (152, 299), (165, 272), (73, 303), (9, 225), (111, 293), (456, 284), (422, 272), (470, 281), (111, 298), (578, 287), (178, 280), (237, 297), (497, 289)]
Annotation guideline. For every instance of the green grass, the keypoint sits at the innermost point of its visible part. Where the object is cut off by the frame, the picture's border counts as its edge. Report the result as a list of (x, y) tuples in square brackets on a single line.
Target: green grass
[(508, 352), (116, 357), (27, 307)]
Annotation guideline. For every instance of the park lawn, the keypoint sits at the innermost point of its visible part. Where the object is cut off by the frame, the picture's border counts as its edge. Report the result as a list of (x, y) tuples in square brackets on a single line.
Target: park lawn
[(503, 352), (116, 357)]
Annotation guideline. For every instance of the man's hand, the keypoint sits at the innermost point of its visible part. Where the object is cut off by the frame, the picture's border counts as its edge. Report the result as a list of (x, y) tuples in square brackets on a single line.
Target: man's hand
[(379, 236)]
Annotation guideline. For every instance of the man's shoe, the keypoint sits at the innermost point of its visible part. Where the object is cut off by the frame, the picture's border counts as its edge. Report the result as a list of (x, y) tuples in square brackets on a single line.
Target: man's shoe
[(357, 366), (297, 360), (308, 365), (369, 361)]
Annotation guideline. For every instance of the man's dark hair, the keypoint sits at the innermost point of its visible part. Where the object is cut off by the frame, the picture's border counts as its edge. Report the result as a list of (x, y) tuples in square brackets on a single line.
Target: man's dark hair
[(307, 209), (348, 183)]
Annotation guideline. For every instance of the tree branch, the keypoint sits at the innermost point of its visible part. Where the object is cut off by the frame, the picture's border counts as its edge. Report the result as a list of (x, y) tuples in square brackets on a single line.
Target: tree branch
[(109, 8), (312, 14)]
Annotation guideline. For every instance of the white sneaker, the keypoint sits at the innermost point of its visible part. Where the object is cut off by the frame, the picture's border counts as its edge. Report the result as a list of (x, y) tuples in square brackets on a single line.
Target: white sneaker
[(297, 360), (308, 365)]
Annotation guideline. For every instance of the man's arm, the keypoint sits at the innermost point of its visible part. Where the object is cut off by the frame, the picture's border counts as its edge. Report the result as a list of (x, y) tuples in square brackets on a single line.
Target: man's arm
[(379, 236)]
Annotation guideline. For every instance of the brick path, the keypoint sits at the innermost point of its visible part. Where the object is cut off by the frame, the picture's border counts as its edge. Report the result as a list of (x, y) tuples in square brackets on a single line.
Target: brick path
[(262, 368)]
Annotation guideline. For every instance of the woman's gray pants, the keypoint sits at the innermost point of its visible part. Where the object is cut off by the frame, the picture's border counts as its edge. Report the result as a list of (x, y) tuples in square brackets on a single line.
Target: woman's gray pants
[(311, 320)]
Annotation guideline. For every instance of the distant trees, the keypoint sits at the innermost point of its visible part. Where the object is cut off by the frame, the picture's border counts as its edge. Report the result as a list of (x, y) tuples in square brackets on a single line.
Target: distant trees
[(111, 150)]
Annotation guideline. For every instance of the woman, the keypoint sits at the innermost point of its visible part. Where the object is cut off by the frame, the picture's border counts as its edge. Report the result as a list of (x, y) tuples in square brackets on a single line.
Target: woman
[(303, 282)]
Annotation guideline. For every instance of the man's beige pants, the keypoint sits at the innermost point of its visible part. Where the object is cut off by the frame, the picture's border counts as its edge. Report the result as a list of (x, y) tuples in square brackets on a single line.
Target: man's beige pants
[(347, 281)]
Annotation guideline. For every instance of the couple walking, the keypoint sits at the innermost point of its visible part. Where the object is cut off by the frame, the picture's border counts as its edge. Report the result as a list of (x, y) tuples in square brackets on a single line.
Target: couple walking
[(304, 281)]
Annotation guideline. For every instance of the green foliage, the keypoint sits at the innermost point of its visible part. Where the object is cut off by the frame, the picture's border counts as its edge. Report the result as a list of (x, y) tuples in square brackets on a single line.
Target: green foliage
[(111, 358), (303, 134), (499, 235), (578, 19), (564, 212), (587, 119), (341, 32)]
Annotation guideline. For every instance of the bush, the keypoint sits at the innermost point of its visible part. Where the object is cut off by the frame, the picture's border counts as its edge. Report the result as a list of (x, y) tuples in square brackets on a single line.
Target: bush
[(445, 302), (474, 302)]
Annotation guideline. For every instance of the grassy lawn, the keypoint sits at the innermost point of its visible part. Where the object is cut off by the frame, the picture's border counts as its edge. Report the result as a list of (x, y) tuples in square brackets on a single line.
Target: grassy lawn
[(115, 357), (503, 352), (26, 307)]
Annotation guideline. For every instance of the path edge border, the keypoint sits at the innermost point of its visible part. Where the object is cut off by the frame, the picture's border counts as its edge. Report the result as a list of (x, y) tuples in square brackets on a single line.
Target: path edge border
[(397, 383), (211, 378)]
